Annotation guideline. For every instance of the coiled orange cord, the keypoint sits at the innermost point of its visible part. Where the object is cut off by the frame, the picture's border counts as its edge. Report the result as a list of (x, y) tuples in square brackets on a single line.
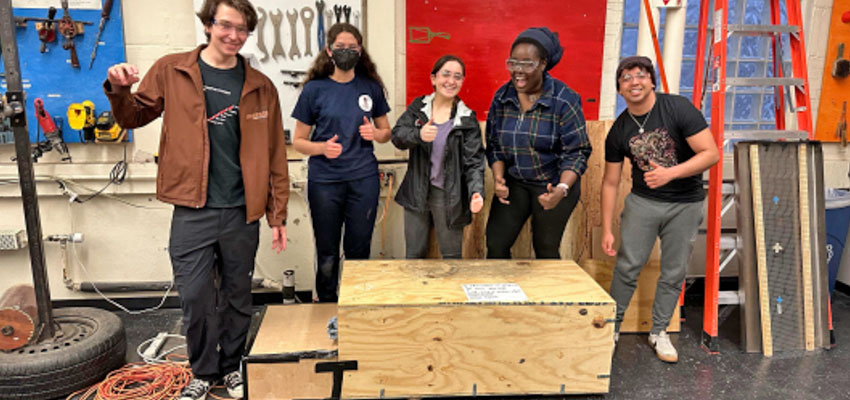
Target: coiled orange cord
[(140, 381)]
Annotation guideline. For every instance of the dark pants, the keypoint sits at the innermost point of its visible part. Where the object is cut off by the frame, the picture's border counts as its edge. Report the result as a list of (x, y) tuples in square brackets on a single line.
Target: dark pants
[(547, 226), (332, 205), (417, 228), (209, 245)]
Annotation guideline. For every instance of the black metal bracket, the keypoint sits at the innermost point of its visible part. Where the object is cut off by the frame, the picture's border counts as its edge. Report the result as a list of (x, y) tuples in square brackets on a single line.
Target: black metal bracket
[(337, 367)]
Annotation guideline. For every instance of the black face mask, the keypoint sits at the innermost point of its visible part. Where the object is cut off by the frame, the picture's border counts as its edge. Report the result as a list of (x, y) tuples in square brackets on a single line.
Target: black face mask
[(345, 59)]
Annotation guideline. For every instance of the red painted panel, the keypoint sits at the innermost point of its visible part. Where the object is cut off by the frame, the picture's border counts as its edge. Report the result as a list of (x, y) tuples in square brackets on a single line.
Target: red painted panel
[(481, 33)]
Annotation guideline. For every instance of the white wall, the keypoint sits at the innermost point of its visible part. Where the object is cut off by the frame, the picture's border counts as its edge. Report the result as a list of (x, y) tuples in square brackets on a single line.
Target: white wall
[(128, 243)]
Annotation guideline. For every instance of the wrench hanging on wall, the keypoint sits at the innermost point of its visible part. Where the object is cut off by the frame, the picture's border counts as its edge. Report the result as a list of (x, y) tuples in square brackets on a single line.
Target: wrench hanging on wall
[(338, 13), (293, 48), (320, 31), (261, 44), (277, 20), (307, 16), (357, 20), (347, 11)]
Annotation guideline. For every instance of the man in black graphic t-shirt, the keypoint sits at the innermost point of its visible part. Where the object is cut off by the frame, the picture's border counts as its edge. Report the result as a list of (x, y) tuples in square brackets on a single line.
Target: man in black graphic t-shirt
[(669, 145)]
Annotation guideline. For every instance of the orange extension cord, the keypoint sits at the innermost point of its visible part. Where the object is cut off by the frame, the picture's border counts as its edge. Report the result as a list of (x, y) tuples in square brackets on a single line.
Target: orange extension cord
[(139, 381)]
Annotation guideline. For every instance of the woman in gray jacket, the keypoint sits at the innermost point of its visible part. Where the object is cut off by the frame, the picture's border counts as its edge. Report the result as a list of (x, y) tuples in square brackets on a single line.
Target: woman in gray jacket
[(444, 183)]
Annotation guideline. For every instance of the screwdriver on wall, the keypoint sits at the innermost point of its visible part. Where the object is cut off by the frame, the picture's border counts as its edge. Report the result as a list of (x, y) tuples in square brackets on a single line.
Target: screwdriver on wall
[(104, 15)]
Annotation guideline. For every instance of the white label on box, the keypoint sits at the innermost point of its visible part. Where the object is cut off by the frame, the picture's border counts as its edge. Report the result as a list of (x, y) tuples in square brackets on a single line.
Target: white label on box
[(498, 292)]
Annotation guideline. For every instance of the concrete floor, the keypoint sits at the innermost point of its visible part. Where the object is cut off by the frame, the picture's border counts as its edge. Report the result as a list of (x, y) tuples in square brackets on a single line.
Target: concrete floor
[(638, 374)]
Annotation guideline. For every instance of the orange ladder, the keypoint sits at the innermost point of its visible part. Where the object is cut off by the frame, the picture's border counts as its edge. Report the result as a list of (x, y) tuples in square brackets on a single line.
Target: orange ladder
[(797, 85)]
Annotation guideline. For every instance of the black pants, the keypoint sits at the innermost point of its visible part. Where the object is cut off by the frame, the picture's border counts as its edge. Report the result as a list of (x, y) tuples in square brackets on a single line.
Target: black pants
[(352, 204), (547, 226), (206, 244)]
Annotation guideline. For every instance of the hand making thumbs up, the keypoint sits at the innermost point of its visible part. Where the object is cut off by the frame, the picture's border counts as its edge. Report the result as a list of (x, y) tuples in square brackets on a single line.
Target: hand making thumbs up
[(332, 148), (367, 131), (428, 132)]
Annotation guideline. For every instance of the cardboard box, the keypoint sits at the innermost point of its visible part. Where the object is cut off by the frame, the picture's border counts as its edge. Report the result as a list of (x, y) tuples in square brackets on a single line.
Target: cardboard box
[(473, 327)]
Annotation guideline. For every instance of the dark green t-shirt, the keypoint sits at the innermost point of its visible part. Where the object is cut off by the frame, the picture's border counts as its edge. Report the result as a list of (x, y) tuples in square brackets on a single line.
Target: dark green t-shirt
[(222, 90)]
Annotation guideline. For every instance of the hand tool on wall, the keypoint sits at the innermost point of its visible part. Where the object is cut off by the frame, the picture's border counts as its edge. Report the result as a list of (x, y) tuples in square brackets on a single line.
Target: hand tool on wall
[(307, 16), (329, 19), (841, 128), (320, 29), (47, 30), (338, 13), (52, 133), (841, 66), (347, 11), (294, 74), (277, 20), (295, 84), (261, 44), (81, 118), (68, 29), (104, 15), (293, 47), (357, 19)]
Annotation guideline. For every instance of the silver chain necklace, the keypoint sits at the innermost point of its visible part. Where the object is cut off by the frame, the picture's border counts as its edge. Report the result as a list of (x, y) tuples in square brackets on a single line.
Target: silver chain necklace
[(641, 125)]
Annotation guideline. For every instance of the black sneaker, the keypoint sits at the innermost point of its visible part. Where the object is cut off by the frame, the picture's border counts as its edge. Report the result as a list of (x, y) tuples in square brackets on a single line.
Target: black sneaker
[(233, 382), (197, 389)]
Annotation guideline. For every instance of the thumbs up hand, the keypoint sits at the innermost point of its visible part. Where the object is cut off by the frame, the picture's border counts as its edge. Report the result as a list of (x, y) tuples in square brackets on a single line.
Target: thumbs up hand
[(332, 148), (428, 132), (367, 131)]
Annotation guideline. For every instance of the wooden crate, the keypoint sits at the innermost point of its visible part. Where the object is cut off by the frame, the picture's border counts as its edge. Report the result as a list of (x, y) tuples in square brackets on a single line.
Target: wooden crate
[(282, 359), (414, 331)]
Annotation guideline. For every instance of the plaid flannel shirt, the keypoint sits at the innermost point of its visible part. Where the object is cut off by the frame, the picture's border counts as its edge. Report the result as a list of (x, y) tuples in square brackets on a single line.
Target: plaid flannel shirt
[(539, 144)]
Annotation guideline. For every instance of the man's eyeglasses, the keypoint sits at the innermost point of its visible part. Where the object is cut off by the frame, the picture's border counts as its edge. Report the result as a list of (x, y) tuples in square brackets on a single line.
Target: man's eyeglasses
[(228, 28), (448, 74), (521, 66), (629, 77)]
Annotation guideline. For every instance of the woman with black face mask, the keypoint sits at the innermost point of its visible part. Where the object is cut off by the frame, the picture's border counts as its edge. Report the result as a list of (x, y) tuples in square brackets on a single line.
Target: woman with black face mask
[(340, 112)]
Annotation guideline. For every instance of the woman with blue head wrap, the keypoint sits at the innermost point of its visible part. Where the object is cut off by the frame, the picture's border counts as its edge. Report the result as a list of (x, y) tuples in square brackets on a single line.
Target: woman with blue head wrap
[(537, 148)]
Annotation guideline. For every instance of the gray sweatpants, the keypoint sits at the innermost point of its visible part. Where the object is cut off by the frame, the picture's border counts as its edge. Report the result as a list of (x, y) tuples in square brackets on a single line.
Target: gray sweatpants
[(642, 221), (417, 227)]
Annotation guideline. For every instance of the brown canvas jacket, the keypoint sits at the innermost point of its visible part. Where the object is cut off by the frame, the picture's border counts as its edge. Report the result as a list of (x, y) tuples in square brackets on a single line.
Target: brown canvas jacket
[(173, 89)]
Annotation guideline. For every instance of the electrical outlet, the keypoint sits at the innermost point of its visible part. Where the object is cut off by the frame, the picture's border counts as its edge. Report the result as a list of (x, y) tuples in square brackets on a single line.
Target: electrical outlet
[(386, 176), (13, 240)]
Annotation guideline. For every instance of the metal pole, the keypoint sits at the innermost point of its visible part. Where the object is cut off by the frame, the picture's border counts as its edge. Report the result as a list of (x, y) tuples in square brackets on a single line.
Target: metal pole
[(18, 120)]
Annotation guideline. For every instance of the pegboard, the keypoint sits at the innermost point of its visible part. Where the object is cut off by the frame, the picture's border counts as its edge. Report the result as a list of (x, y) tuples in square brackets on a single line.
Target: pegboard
[(481, 33), (296, 66), (835, 91), (51, 77)]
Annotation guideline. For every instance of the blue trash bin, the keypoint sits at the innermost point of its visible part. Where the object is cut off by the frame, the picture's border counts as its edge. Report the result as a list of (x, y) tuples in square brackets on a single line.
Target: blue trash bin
[(837, 204)]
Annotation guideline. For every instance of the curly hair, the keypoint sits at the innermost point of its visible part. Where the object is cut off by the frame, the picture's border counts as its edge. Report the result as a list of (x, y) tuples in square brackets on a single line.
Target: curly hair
[(323, 66)]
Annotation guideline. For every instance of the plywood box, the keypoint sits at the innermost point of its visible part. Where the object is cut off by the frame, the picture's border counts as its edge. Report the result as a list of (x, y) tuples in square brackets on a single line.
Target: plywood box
[(416, 329), (281, 362)]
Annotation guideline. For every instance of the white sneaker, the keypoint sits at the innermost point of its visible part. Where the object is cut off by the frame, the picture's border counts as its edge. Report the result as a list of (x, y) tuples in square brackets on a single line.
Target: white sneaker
[(663, 347), (197, 389), (233, 382)]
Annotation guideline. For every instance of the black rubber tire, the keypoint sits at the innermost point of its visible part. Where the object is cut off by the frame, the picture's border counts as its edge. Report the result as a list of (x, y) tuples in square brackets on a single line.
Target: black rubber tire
[(93, 343)]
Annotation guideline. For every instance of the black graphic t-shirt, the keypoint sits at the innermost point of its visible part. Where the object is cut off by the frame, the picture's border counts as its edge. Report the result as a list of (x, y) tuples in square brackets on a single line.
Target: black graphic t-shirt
[(222, 90), (672, 120)]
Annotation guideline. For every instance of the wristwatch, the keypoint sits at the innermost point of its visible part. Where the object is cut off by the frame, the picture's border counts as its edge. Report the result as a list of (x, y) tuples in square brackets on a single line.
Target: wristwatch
[(564, 186)]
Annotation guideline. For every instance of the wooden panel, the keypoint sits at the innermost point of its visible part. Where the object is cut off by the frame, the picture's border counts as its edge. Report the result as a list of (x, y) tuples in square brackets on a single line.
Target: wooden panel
[(761, 248), (638, 316), (482, 349), (294, 328), (834, 91), (292, 380), (433, 282)]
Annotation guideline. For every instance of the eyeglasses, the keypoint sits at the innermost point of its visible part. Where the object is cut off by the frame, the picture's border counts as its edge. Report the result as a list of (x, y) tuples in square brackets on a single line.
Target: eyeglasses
[(521, 66), (342, 47), (628, 77), (448, 74), (228, 28)]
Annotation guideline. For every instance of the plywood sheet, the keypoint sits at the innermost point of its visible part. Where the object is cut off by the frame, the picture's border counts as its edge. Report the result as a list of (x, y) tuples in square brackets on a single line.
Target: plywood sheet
[(437, 282), (638, 316), (288, 380), (295, 328)]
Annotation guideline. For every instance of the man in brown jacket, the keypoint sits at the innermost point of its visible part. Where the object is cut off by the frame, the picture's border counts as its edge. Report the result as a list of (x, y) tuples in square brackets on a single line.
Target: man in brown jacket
[(222, 163)]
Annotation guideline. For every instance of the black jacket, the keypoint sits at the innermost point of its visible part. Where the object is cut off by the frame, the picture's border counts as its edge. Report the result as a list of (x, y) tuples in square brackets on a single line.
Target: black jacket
[(463, 166)]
